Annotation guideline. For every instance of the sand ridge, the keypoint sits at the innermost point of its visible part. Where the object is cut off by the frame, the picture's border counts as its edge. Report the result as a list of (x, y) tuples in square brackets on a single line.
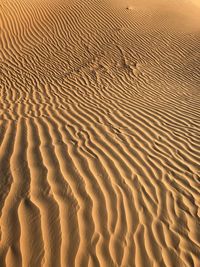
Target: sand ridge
[(99, 133)]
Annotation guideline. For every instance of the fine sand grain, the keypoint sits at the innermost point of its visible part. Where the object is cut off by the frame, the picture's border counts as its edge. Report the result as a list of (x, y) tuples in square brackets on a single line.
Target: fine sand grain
[(99, 133)]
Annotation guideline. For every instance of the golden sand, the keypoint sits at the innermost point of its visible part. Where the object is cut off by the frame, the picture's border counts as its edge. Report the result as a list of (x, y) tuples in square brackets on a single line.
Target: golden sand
[(99, 133)]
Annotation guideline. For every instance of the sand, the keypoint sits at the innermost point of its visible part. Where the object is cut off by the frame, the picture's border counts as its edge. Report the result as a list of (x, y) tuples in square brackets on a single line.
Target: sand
[(99, 133)]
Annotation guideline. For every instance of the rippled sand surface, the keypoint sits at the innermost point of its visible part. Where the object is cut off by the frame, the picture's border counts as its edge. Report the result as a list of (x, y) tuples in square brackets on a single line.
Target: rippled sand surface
[(99, 133)]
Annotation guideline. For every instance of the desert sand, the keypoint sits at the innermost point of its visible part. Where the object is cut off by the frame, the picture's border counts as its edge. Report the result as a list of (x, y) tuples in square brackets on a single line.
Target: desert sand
[(99, 133)]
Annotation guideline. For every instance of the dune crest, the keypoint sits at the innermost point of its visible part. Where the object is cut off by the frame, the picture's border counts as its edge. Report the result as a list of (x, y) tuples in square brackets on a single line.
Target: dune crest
[(99, 133)]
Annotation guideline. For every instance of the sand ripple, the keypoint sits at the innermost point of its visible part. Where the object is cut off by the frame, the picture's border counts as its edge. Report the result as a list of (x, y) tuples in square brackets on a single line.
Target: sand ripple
[(99, 133)]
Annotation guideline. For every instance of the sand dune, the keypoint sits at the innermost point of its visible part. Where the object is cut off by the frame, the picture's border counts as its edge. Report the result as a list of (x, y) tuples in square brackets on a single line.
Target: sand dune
[(99, 133)]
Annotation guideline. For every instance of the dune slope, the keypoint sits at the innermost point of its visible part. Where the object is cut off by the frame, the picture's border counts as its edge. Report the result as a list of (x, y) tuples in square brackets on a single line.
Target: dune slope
[(99, 133)]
